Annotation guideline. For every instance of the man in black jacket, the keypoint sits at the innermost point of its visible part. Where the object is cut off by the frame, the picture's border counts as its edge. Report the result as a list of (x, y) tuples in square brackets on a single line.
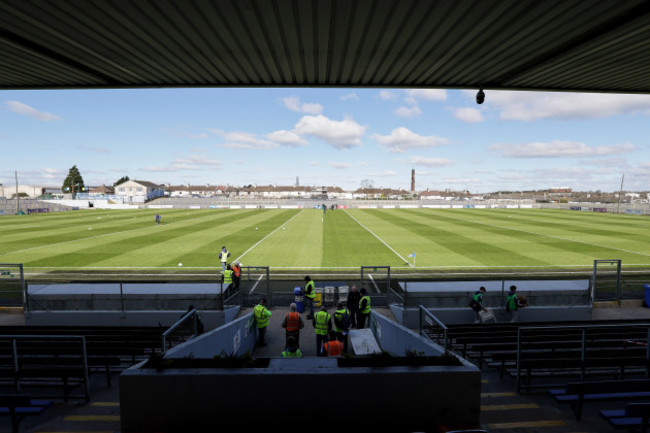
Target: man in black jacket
[(353, 305)]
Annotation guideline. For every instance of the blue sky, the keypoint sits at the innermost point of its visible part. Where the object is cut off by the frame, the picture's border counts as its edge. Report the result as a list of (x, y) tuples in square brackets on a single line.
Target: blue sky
[(333, 136)]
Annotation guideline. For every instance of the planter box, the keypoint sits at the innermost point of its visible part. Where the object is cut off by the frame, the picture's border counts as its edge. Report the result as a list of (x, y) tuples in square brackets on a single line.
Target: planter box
[(308, 390)]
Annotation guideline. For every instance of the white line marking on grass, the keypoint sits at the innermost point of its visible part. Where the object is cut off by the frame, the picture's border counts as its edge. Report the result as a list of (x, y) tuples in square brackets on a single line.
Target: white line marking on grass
[(380, 239), (373, 283), (260, 241), (554, 237), (255, 285)]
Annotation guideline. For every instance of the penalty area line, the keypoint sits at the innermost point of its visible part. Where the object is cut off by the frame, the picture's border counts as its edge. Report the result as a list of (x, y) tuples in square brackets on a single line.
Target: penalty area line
[(380, 239), (261, 240)]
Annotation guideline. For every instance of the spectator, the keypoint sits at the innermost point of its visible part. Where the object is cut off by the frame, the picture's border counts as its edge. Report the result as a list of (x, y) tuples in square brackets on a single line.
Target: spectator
[(236, 277)]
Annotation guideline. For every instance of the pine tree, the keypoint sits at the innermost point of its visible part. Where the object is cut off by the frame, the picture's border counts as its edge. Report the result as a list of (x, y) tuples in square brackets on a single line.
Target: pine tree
[(121, 180), (74, 183)]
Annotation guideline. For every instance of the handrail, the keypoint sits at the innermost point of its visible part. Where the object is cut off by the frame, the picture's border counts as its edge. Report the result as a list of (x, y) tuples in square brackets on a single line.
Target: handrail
[(190, 314), (583, 349), (430, 318)]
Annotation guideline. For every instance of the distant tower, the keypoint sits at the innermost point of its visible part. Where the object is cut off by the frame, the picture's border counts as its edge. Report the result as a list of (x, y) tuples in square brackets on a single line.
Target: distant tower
[(297, 181), (412, 180)]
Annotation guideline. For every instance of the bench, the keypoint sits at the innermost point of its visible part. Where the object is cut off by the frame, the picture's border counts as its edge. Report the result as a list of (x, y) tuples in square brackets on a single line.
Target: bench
[(578, 393), (634, 416), (18, 406)]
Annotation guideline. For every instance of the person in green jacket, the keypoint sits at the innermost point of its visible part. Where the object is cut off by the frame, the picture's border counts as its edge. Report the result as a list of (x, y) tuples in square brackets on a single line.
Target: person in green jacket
[(513, 304), (322, 327), (310, 294), (292, 350), (262, 315), (364, 309)]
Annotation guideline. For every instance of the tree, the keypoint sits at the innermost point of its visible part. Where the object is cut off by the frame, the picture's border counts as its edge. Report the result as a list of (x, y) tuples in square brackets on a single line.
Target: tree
[(367, 184), (121, 180), (73, 183)]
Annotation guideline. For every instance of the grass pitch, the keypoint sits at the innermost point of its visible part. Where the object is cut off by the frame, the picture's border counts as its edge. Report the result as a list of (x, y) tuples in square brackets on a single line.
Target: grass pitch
[(308, 239)]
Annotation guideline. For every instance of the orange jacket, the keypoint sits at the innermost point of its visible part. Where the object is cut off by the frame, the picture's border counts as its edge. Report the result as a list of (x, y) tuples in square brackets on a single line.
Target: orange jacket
[(333, 348), (292, 322)]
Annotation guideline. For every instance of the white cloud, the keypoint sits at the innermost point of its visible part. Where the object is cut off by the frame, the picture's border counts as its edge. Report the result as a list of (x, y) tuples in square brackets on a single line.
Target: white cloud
[(529, 106), (340, 165), (401, 139), (387, 95), (24, 109), (428, 94), (342, 134), (558, 149), (286, 138), (293, 103), (244, 140), (191, 162), (430, 162), (469, 115), (349, 96), (413, 111)]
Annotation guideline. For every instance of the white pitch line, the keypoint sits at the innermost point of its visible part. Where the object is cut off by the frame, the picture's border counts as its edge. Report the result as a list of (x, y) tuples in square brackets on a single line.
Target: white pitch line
[(373, 283), (380, 239), (255, 285), (261, 240)]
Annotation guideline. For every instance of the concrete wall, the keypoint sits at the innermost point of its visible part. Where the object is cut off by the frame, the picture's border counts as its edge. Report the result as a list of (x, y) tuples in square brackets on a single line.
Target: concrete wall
[(301, 393), (237, 337), (399, 340), (410, 317), (210, 319)]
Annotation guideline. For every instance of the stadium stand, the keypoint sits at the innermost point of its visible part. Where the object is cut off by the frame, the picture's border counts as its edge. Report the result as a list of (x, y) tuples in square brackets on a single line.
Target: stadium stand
[(18, 406)]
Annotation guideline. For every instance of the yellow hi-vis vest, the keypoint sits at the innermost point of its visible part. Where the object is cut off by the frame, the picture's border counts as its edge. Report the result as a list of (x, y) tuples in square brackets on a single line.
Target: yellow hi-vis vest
[(367, 309), (338, 315), (322, 319), (227, 276), (261, 316), (310, 289)]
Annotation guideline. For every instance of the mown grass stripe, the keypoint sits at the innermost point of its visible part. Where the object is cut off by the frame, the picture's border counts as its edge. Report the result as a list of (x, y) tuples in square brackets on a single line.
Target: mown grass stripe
[(473, 246), (589, 244)]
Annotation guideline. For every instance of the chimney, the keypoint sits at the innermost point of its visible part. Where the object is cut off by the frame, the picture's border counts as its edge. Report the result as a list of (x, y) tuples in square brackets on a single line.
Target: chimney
[(412, 180)]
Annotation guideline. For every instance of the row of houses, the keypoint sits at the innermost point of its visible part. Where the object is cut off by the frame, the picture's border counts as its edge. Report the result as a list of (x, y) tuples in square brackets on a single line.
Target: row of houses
[(140, 191)]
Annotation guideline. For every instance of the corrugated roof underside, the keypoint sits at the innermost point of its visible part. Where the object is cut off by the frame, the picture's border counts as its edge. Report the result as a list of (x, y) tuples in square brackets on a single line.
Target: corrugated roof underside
[(520, 44)]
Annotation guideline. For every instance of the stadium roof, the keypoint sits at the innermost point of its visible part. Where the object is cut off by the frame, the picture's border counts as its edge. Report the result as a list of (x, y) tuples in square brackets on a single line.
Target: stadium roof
[(564, 45)]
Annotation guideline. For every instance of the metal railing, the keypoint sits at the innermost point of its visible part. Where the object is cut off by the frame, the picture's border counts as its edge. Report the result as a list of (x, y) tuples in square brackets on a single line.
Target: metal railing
[(585, 340), (437, 330), (186, 327), (44, 358)]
